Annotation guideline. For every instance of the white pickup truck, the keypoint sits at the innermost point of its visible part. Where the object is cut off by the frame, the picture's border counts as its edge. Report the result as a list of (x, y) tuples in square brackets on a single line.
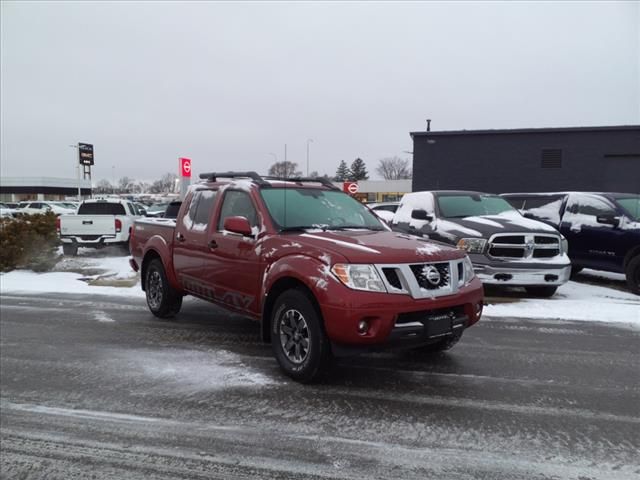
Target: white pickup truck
[(98, 224)]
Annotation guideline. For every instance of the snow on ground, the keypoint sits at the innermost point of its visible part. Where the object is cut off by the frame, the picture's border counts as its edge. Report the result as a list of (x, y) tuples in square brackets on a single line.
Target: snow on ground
[(572, 301), (101, 272), (107, 272)]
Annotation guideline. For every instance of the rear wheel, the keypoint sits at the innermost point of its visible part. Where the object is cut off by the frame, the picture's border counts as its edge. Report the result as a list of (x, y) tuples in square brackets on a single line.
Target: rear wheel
[(162, 299), (633, 275), (69, 249), (297, 337), (541, 292)]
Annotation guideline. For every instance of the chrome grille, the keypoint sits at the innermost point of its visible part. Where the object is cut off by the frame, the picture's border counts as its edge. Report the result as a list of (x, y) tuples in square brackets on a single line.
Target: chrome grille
[(510, 245)]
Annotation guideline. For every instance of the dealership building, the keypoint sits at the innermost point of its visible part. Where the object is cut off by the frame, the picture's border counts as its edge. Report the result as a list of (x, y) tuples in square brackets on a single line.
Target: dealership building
[(528, 160), (17, 189)]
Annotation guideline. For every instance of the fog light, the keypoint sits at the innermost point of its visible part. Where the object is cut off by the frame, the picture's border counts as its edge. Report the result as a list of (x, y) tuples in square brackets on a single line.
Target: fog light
[(363, 327)]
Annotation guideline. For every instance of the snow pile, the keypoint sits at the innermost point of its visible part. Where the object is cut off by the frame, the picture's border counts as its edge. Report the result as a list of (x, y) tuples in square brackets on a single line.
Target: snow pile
[(574, 301)]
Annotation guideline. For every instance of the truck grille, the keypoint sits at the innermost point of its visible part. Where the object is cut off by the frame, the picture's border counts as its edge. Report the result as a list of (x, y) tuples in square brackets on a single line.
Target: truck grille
[(424, 280), (432, 276), (524, 246)]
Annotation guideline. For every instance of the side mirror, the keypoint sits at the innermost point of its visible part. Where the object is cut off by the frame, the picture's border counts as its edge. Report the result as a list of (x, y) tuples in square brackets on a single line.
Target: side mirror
[(237, 225), (608, 220), (421, 215)]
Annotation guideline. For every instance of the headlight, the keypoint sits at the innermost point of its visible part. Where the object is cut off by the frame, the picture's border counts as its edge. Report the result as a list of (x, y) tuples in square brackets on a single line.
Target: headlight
[(359, 277), (564, 245), (468, 270), (472, 245)]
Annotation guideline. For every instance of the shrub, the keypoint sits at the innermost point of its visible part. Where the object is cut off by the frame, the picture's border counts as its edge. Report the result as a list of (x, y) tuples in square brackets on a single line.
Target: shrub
[(28, 242)]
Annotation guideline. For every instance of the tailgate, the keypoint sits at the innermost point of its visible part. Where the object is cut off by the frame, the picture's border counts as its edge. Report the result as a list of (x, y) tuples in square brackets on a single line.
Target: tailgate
[(87, 225)]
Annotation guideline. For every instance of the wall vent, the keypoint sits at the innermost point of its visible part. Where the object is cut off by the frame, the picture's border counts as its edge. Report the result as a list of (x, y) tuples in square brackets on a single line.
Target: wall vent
[(551, 158)]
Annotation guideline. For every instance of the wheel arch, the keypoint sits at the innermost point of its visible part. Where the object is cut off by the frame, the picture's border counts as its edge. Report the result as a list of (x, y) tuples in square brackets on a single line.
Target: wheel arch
[(148, 257), (280, 286), (631, 254)]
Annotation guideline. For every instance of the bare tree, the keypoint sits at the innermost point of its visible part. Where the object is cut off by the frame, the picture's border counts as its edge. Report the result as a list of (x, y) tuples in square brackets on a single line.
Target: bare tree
[(125, 185), (394, 168), (284, 169), (103, 186), (165, 185)]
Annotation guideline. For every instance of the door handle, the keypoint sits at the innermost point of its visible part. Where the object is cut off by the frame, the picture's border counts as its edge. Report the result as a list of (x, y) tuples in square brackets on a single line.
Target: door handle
[(212, 244), (180, 237)]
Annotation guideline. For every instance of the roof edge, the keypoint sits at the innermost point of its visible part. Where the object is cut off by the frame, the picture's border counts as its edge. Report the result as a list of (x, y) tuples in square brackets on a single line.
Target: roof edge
[(526, 130)]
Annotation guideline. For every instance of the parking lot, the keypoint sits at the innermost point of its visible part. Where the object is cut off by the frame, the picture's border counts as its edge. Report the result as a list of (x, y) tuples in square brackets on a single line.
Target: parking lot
[(93, 384)]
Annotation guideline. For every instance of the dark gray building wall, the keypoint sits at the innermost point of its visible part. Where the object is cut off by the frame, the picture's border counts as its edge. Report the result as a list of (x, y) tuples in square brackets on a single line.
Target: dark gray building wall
[(499, 161)]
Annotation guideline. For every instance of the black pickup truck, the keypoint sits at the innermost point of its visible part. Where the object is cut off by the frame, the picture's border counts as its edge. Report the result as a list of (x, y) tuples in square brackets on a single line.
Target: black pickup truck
[(603, 229), (506, 248)]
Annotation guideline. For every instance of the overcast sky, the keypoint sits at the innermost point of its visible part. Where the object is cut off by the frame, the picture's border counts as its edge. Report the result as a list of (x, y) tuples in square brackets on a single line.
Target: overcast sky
[(229, 83)]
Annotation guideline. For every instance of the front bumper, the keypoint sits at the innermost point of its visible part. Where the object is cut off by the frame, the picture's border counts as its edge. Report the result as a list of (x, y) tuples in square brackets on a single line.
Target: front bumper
[(552, 275), (400, 320)]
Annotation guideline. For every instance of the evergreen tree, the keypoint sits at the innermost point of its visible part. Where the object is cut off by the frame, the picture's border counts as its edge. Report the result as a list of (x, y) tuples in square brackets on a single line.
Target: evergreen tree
[(358, 170), (342, 173)]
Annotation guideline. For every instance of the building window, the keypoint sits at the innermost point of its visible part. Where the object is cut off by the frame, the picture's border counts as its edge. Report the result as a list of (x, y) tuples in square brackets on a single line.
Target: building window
[(551, 158)]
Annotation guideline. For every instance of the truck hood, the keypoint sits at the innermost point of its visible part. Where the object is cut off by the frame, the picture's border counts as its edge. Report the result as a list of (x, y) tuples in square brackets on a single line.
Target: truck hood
[(364, 246), (487, 225)]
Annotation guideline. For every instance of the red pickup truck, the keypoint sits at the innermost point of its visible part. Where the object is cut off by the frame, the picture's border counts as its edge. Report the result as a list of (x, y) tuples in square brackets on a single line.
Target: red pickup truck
[(318, 269)]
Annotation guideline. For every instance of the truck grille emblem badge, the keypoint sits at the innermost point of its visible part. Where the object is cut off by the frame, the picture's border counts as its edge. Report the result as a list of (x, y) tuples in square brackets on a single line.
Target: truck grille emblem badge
[(432, 274)]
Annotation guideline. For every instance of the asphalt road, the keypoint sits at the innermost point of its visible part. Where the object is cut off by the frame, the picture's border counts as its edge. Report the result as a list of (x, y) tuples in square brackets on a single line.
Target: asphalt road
[(95, 387)]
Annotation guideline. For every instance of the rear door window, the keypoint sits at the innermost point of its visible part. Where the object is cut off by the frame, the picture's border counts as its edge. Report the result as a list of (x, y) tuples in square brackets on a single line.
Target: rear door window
[(206, 199)]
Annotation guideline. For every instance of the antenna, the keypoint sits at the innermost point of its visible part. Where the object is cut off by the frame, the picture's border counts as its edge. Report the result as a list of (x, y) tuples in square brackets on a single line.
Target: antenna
[(428, 124)]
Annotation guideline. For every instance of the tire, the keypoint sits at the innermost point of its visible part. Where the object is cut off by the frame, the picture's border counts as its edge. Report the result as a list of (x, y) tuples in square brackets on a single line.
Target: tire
[(632, 273), (162, 299), (541, 292), (69, 249), (299, 342), (442, 345)]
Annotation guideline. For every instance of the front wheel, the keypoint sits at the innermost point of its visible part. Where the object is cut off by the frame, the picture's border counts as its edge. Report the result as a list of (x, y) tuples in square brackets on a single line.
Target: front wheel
[(541, 292), (297, 337), (633, 275), (162, 299)]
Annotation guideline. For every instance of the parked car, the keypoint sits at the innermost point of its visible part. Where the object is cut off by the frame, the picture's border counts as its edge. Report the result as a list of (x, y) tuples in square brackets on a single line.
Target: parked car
[(99, 223), (385, 210), (141, 209), (506, 249), (6, 211), (320, 272), (44, 207), (603, 229)]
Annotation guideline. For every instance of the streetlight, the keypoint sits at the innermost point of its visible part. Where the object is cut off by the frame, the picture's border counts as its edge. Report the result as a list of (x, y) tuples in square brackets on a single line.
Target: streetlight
[(78, 170), (309, 140)]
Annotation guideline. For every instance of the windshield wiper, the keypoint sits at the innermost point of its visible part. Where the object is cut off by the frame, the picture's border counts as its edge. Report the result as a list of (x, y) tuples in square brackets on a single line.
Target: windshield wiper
[(298, 228), (354, 227)]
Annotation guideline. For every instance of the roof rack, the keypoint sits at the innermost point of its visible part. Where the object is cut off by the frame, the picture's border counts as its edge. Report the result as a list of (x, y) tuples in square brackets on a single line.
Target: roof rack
[(262, 181), (322, 180), (213, 176)]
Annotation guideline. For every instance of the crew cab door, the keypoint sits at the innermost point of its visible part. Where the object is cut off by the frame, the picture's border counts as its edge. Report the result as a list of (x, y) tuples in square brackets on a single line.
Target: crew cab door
[(231, 264), (190, 242), (591, 243)]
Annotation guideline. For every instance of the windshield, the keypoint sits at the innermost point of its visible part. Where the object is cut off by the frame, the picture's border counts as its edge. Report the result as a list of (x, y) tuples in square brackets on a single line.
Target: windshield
[(631, 206), (457, 206), (293, 208)]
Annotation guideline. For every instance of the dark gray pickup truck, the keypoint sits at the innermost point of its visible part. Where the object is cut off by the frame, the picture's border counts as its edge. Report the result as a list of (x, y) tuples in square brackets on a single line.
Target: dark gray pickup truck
[(505, 247)]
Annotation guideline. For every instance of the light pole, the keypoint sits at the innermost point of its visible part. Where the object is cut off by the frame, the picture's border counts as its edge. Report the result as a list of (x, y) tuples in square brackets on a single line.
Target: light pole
[(78, 170), (113, 179), (309, 140)]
